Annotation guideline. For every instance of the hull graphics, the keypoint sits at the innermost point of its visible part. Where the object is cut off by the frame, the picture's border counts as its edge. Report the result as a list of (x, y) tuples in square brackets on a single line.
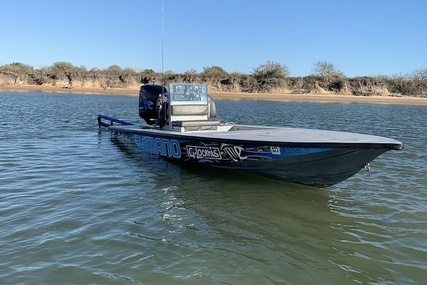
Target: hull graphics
[(212, 152), (313, 166)]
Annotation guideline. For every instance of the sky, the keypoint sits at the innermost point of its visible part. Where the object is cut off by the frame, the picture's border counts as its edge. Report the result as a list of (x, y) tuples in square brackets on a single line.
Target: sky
[(359, 37)]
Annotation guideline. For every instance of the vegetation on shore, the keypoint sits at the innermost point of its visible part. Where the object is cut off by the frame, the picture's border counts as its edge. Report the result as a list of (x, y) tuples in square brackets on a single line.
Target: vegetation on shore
[(270, 77)]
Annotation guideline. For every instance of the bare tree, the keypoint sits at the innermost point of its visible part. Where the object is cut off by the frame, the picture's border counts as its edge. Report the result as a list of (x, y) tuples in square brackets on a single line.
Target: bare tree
[(214, 71), (269, 76), (62, 70), (420, 74), (190, 75), (326, 69)]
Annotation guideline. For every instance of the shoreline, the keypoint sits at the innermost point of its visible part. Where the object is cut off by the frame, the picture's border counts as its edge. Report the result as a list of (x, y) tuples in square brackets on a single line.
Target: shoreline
[(234, 96)]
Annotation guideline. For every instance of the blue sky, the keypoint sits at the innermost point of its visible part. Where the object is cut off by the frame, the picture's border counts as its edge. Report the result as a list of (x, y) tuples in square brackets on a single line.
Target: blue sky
[(360, 37)]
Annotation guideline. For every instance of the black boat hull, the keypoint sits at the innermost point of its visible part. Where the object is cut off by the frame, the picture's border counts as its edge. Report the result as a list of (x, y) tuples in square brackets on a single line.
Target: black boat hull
[(309, 164)]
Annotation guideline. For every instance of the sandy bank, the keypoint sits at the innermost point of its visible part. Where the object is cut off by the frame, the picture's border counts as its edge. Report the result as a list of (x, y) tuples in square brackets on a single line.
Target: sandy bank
[(317, 98), (321, 98)]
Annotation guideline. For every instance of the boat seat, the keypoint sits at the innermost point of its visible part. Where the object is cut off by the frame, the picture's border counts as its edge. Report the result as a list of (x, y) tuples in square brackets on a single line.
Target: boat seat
[(197, 125), (194, 117), (190, 113), (189, 110)]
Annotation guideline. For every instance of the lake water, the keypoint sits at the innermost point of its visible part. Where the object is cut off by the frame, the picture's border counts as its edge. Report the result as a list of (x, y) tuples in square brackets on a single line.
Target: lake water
[(79, 208)]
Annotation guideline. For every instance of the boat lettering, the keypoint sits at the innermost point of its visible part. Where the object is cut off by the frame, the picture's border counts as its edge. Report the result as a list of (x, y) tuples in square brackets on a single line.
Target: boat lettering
[(297, 150), (275, 149), (164, 147), (199, 152), (234, 152)]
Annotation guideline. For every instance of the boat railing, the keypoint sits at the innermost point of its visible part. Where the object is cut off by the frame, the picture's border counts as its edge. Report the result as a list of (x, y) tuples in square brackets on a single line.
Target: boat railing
[(110, 121)]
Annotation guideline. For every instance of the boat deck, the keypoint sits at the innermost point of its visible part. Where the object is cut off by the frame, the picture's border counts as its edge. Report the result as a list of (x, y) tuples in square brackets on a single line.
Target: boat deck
[(272, 135)]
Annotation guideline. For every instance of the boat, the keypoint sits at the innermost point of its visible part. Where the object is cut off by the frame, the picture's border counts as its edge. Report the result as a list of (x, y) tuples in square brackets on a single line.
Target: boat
[(181, 125)]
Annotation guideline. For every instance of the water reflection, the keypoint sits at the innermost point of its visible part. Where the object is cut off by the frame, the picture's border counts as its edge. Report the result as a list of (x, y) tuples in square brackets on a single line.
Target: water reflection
[(262, 226), (247, 221)]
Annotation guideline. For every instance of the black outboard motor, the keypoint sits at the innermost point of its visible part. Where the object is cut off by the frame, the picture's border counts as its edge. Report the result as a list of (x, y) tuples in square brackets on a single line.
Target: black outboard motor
[(148, 96)]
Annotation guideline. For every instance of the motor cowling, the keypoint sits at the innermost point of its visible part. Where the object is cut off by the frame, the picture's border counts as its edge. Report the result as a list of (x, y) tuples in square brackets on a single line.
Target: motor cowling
[(148, 105)]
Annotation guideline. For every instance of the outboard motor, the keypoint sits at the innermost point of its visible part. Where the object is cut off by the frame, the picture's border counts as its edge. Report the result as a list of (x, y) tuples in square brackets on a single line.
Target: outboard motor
[(148, 105)]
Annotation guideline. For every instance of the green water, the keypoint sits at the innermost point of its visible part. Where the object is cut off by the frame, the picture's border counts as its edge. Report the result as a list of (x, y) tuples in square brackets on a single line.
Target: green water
[(79, 208)]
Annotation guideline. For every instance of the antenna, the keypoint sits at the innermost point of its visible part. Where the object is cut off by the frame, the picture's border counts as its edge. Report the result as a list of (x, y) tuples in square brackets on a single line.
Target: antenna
[(163, 96), (163, 52), (163, 31)]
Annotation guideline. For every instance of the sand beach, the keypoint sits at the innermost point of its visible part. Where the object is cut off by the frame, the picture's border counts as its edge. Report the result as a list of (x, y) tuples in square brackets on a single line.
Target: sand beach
[(317, 98)]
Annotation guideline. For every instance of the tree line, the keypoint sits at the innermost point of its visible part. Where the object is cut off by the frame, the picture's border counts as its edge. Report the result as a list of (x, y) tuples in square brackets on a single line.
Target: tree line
[(270, 77)]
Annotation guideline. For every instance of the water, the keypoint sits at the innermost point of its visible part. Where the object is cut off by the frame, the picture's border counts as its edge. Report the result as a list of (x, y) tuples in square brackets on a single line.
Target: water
[(79, 208)]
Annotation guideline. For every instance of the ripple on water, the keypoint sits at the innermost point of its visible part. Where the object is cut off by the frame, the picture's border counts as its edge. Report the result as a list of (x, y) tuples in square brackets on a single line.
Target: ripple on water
[(77, 207)]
